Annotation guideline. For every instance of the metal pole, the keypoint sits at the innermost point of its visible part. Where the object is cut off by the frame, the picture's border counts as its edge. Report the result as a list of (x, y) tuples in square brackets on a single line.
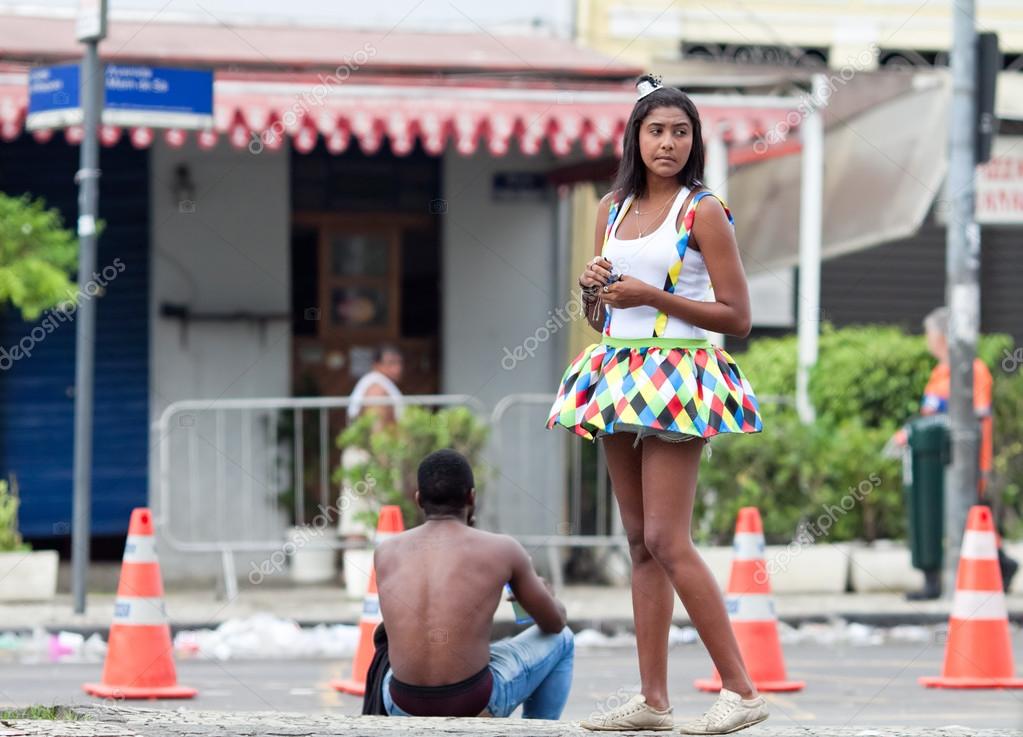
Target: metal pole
[(962, 265), (85, 323), (810, 219)]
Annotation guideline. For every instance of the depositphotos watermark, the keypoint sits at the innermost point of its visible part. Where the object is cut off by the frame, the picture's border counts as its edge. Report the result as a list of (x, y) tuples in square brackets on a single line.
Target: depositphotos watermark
[(811, 530), (557, 319), (615, 701), (311, 99), (1013, 360), (812, 102), (277, 560), (64, 312)]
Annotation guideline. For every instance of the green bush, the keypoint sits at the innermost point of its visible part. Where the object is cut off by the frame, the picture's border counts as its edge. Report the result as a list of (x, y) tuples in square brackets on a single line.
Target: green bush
[(867, 382), (396, 451), (1006, 485), (10, 540), (873, 373), (794, 473)]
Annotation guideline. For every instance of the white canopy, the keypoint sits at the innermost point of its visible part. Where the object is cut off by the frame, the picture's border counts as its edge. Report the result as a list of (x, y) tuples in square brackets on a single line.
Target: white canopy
[(883, 168)]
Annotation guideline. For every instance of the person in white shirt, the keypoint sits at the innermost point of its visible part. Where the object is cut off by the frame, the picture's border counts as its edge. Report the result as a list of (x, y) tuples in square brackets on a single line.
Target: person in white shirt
[(380, 381)]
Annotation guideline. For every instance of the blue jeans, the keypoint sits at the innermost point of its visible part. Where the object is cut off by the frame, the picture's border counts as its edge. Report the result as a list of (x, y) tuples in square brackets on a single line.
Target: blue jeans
[(533, 669)]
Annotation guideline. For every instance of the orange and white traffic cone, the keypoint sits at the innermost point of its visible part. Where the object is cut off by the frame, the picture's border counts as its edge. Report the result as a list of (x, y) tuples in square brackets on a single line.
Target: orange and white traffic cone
[(389, 524), (978, 652), (751, 611), (140, 660)]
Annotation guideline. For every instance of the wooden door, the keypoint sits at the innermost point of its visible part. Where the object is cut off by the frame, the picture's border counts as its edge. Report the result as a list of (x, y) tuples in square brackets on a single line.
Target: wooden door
[(358, 294)]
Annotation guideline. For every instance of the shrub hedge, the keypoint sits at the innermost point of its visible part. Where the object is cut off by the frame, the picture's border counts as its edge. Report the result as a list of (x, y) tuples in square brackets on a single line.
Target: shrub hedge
[(867, 382)]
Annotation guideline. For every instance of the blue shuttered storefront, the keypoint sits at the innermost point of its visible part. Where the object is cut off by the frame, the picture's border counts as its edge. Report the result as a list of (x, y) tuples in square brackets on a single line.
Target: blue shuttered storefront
[(36, 393)]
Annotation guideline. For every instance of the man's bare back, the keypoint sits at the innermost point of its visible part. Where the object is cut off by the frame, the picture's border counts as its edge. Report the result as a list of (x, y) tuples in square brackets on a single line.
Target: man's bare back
[(439, 585)]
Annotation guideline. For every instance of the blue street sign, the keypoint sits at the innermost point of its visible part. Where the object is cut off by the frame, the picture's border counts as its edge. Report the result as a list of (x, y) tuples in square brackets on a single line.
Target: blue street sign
[(133, 96), (53, 97), (158, 97)]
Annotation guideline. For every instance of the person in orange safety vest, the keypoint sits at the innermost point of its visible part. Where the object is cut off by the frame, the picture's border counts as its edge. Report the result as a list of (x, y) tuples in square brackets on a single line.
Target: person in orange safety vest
[(935, 401)]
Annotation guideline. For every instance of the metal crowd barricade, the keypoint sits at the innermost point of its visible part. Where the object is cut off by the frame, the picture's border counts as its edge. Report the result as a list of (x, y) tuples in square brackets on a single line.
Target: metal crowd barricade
[(232, 450), (587, 516)]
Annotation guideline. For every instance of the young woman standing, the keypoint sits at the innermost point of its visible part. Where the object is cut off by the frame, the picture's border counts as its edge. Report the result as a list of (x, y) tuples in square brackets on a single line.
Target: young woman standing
[(655, 390)]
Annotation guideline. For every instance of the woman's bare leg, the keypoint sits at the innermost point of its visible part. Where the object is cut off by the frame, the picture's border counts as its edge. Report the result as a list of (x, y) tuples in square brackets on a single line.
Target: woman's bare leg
[(669, 488), (652, 595)]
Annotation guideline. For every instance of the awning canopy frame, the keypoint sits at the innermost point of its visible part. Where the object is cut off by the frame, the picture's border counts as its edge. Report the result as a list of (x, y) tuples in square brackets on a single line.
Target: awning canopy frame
[(260, 111)]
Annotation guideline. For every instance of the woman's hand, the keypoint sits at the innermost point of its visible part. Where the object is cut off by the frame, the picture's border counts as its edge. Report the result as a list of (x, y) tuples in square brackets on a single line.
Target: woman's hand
[(626, 292), (597, 272)]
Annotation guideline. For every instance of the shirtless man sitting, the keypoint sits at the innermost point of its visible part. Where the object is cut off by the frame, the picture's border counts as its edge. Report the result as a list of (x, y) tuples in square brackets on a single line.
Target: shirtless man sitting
[(439, 586)]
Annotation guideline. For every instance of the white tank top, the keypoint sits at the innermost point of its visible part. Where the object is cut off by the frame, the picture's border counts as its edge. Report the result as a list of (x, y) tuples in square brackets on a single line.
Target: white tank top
[(649, 258), (363, 385)]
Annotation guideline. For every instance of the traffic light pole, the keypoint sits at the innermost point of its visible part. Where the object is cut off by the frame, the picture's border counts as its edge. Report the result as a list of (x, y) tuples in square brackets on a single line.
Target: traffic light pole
[(962, 266), (85, 321)]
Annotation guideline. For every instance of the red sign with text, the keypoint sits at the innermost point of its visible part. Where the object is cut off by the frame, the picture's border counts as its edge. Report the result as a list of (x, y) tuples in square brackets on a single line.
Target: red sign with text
[(1000, 183)]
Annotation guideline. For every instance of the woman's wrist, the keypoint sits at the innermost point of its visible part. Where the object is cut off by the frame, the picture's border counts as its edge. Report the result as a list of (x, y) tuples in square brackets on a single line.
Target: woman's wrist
[(656, 297)]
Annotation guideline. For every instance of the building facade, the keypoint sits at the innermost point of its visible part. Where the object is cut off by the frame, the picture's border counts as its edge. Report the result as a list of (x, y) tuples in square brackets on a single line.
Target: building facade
[(358, 187), (885, 141)]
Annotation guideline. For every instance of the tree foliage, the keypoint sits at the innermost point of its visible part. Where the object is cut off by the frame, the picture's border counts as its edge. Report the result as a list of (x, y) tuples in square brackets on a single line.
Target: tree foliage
[(37, 256)]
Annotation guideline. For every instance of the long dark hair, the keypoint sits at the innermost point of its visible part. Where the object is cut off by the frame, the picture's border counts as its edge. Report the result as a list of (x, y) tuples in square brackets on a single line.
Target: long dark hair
[(631, 176)]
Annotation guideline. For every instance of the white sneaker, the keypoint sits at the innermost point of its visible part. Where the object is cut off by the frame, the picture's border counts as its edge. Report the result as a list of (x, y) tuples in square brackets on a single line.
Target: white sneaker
[(730, 713), (635, 714)]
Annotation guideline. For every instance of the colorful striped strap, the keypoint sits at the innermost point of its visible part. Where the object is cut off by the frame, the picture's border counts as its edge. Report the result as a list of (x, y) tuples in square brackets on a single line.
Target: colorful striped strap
[(681, 245), (612, 214)]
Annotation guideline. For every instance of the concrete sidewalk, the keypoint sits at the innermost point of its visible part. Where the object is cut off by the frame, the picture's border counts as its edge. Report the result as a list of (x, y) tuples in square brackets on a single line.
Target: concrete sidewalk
[(608, 609), (116, 721)]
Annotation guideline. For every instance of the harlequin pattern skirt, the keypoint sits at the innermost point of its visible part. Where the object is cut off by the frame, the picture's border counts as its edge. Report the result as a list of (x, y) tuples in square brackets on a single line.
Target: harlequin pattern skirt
[(682, 386)]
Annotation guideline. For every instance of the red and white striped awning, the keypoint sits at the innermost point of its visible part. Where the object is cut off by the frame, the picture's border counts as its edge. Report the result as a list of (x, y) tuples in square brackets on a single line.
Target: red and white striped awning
[(260, 110)]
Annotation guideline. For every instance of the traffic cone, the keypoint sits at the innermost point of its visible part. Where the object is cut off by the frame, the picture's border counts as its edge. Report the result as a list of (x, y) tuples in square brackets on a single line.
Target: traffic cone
[(139, 662), (978, 651), (751, 611), (388, 525)]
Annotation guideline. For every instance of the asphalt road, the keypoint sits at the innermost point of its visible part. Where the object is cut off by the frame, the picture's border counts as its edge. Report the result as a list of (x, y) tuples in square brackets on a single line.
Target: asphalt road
[(847, 686)]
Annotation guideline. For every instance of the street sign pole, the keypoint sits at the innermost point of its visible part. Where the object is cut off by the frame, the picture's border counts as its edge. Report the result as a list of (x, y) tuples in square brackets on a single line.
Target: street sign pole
[(91, 29), (962, 267), (119, 95)]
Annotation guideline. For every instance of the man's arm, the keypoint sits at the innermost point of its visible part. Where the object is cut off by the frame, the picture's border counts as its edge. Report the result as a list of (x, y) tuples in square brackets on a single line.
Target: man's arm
[(532, 593), (384, 413)]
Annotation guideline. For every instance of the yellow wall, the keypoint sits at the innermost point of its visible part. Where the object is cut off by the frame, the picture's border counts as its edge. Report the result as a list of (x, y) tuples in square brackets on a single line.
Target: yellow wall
[(641, 31), (584, 213)]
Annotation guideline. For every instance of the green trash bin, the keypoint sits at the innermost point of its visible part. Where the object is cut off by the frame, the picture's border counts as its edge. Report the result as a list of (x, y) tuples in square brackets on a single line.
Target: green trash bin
[(928, 451)]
